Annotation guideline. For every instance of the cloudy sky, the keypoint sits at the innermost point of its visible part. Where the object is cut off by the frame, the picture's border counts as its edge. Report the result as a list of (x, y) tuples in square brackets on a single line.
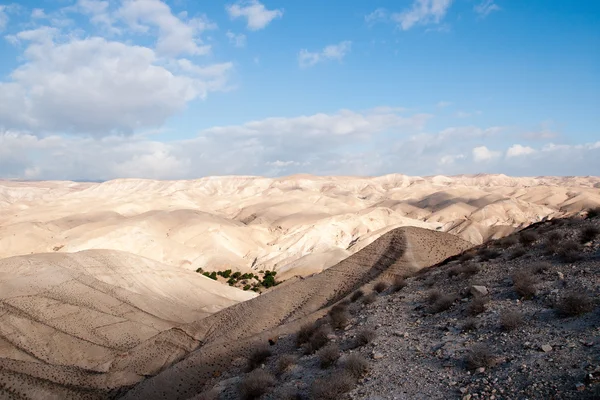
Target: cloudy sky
[(95, 90)]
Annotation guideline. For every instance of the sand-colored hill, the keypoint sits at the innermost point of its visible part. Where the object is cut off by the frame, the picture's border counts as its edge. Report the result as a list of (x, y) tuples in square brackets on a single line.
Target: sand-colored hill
[(255, 223), (211, 341)]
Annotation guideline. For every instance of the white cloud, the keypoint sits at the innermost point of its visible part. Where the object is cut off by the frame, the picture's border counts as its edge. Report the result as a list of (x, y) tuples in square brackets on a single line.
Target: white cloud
[(38, 13), (486, 7), (4, 9), (482, 153), (331, 52), (97, 86), (517, 150), (257, 15), (443, 104), (237, 40), (175, 36), (423, 12), (450, 159), (379, 15), (280, 163), (98, 11)]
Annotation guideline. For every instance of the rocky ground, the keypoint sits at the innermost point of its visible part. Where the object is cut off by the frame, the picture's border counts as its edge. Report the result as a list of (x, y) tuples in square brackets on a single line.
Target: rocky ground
[(516, 318)]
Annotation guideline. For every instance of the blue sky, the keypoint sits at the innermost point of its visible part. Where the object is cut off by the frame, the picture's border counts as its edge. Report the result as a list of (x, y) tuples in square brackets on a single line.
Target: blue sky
[(182, 89)]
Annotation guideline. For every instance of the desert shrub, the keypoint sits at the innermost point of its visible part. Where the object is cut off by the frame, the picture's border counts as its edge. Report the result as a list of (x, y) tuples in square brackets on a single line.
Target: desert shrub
[(470, 269), (466, 256), (570, 251), (304, 333), (443, 303), (593, 212), (370, 298), (489, 254), (524, 284), (333, 386), (285, 362), (339, 316), (399, 283), (508, 241), (328, 355), (479, 356), (470, 324), (527, 238), (454, 271), (255, 384), (477, 306), (380, 286), (517, 253), (317, 340), (510, 320), (588, 234), (258, 357), (357, 295), (573, 304), (433, 296), (364, 337), (541, 267), (355, 365)]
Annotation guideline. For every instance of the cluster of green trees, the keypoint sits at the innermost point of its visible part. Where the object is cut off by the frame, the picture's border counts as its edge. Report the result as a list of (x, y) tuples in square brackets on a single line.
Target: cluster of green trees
[(249, 280)]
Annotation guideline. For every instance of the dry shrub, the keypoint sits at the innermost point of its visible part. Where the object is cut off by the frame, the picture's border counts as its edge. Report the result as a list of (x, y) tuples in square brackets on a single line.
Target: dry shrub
[(470, 269), (477, 306), (443, 303), (470, 324), (541, 267), (573, 304), (433, 296), (588, 234), (524, 284), (454, 271), (357, 295), (399, 283), (317, 340), (355, 365), (527, 238), (380, 286), (469, 255), (285, 363), (339, 316), (333, 386), (255, 384), (510, 320), (570, 251), (517, 253), (593, 212), (364, 337), (258, 357), (328, 355), (479, 356), (489, 254), (370, 298), (304, 333)]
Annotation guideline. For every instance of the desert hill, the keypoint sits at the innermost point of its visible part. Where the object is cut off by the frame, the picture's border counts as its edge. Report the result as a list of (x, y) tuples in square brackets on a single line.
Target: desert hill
[(207, 343), (298, 224)]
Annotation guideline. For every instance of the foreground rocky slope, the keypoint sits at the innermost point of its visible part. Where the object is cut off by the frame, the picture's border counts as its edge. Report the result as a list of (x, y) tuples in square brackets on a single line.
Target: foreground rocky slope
[(512, 319)]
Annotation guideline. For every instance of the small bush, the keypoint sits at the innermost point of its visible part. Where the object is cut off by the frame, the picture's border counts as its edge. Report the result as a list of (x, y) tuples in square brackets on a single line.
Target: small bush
[(380, 287), (477, 306), (479, 356), (357, 295), (364, 337), (255, 384), (328, 355), (433, 296), (470, 269), (508, 241), (524, 284), (570, 251), (443, 303), (589, 233), (285, 363), (527, 238), (466, 256), (517, 253), (258, 357), (317, 340), (370, 298), (593, 212), (333, 386), (573, 304), (304, 333), (489, 254), (339, 316), (510, 320), (541, 267), (399, 283), (454, 271), (355, 365), (470, 324)]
